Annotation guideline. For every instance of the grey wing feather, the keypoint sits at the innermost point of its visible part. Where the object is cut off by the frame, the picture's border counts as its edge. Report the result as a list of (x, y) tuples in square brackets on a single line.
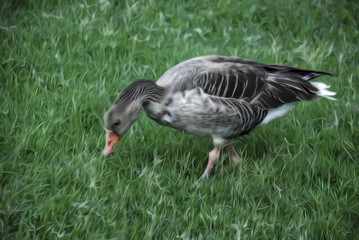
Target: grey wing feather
[(266, 86), (231, 81)]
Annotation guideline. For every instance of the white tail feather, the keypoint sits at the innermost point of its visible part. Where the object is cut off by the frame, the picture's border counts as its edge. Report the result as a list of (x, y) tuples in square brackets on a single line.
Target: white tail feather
[(323, 92), (278, 112), (285, 108)]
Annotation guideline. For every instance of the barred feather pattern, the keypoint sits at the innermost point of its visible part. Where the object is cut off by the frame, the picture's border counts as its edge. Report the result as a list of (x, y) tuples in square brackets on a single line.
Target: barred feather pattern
[(247, 115), (141, 90), (267, 86), (222, 97)]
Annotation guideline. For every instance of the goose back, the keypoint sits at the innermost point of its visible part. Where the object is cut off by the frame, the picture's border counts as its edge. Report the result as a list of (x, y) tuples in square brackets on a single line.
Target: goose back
[(266, 86)]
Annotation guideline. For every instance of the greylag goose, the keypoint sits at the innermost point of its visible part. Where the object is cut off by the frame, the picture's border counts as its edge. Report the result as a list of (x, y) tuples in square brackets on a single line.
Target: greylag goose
[(214, 96)]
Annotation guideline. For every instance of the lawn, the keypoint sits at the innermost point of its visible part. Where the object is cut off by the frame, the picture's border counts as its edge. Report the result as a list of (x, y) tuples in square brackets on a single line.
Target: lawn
[(62, 66)]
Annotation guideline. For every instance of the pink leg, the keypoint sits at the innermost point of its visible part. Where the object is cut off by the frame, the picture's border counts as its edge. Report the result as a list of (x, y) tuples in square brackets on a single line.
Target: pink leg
[(213, 155), (233, 156)]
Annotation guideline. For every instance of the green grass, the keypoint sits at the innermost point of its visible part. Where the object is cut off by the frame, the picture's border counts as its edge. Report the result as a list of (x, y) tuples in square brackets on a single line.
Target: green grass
[(62, 65)]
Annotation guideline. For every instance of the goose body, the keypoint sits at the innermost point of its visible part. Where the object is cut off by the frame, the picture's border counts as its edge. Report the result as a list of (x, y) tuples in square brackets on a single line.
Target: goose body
[(214, 96), (198, 113)]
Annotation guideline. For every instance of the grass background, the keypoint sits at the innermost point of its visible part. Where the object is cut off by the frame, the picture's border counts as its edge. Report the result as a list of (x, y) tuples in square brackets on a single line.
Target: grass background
[(62, 65)]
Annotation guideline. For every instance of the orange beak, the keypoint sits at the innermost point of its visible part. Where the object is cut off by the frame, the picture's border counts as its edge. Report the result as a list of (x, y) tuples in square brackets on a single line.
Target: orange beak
[(111, 142)]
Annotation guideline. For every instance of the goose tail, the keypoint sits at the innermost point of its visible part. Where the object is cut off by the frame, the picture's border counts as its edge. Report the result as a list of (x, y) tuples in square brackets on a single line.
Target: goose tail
[(323, 90)]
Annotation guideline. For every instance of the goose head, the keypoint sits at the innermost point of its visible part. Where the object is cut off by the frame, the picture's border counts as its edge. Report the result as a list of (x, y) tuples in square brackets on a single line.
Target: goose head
[(126, 109), (118, 120)]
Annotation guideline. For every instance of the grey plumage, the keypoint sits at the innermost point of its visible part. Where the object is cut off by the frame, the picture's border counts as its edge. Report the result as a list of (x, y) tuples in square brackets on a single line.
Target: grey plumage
[(237, 94), (217, 96)]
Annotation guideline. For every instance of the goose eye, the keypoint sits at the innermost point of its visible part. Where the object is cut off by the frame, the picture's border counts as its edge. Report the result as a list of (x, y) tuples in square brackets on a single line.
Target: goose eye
[(116, 123)]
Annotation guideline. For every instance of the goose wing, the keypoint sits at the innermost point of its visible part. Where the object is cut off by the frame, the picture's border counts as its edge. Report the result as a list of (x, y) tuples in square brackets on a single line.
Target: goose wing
[(267, 86)]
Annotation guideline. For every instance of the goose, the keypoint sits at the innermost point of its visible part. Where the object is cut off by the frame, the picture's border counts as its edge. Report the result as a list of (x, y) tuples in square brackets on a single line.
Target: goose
[(214, 96)]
